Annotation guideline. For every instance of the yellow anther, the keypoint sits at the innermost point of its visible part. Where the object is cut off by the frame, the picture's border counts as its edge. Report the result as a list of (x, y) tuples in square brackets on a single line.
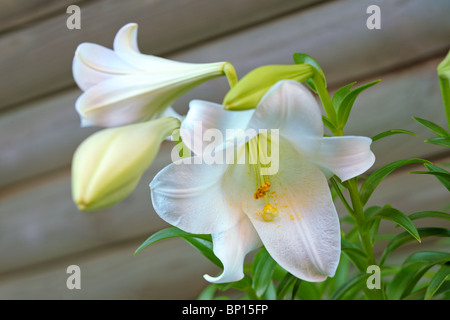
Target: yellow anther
[(269, 212)]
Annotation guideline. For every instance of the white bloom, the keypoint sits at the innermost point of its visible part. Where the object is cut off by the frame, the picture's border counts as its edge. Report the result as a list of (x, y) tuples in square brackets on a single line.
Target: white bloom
[(293, 215), (123, 86)]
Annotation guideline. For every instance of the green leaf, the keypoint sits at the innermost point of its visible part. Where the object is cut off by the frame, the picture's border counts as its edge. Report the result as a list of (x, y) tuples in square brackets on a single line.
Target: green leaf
[(376, 177), (441, 174), (441, 141), (405, 237), (328, 124), (436, 282), (347, 102), (308, 291), (263, 267), (405, 280), (303, 58), (427, 257), (171, 232), (356, 281), (437, 129), (208, 293), (285, 284), (392, 214), (206, 248), (392, 132), (429, 214), (354, 254), (340, 94)]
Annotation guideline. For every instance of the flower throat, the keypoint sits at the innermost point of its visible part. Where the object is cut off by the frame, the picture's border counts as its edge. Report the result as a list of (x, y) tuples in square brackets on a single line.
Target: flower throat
[(258, 159)]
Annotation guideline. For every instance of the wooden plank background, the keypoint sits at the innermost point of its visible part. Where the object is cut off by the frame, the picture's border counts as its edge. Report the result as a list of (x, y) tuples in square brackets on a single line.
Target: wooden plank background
[(42, 232)]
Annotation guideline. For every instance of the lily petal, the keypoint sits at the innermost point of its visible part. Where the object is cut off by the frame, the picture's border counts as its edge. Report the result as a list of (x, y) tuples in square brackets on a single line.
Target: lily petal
[(127, 48), (204, 115), (291, 108), (231, 247), (93, 64), (347, 157), (199, 198), (305, 237)]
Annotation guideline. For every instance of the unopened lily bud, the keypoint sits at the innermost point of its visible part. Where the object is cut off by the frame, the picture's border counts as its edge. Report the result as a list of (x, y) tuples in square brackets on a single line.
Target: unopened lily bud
[(247, 93), (443, 68), (108, 165)]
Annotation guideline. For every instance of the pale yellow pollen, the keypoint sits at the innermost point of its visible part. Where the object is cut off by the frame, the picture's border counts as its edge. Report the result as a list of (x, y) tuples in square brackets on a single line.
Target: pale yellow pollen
[(269, 212)]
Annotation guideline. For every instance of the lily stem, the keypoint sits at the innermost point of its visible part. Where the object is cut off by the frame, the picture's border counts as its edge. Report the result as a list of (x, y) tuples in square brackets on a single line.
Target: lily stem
[(445, 92), (358, 213)]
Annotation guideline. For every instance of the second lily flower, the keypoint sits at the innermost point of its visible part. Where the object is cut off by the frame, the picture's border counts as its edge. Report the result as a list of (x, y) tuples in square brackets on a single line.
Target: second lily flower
[(124, 86)]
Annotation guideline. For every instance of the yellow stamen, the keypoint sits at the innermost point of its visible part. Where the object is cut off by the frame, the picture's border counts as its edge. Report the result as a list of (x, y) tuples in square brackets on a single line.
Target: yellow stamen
[(269, 212)]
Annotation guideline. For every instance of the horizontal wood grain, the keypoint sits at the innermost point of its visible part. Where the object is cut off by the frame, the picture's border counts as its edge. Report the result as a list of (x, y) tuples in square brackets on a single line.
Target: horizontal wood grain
[(167, 270), (22, 13)]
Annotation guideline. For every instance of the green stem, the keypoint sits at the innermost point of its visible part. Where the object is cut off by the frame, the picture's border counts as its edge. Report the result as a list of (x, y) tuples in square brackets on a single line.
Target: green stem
[(230, 73), (445, 92), (358, 213), (325, 99)]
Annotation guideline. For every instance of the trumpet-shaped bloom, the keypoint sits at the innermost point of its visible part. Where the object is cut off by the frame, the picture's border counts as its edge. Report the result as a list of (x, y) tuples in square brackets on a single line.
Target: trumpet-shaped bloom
[(290, 212), (107, 166), (124, 86)]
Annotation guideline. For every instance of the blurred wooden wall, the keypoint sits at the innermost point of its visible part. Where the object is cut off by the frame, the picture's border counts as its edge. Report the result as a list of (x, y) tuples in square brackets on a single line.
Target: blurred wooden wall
[(41, 230)]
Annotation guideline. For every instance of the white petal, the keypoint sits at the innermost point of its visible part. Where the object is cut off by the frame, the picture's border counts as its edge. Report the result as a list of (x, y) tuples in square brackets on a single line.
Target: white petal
[(199, 198), (127, 99), (291, 108), (231, 247), (347, 157), (203, 116), (126, 47), (93, 64), (305, 237)]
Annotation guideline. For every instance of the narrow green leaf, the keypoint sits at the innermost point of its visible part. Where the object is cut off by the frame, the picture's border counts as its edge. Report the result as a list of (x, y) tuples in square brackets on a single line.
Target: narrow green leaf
[(285, 284), (394, 215), (171, 232), (441, 174), (208, 293), (437, 280), (356, 281), (429, 214), (405, 237), (405, 280), (428, 257), (303, 58), (205, 247), (340, 94), (441, 141), (392, 132), (297, 284), (308, 291), (328, 124), (263, 267), (354, 254), (347, 102), (376, 177), (437, 129)]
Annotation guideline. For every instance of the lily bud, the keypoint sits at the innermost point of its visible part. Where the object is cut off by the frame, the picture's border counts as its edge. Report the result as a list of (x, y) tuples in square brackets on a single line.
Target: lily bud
[(443, 68), (247, 93), (124, 86), (108, 165)]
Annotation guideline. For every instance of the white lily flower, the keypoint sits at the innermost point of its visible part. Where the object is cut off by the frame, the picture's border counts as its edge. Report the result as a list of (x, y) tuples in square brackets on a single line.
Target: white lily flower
[(292, 214), (124, 86)]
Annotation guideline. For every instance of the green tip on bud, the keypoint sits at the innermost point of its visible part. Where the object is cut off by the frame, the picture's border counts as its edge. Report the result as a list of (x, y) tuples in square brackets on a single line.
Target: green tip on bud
[(443, 68), (108, 165), (247, 93)]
